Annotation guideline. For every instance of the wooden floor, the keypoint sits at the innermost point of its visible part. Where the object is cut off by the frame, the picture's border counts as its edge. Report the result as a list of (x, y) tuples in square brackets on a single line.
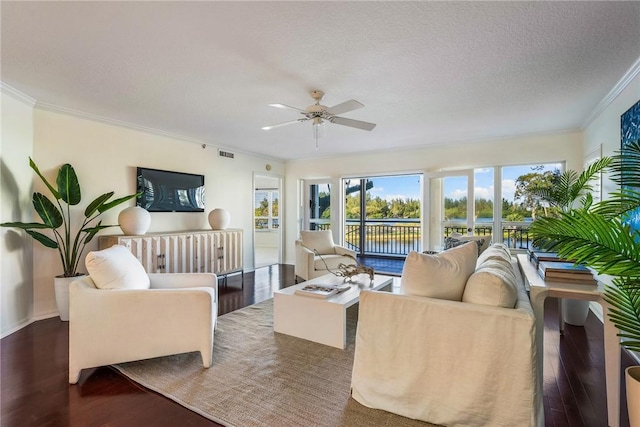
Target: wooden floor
[(35, 391)]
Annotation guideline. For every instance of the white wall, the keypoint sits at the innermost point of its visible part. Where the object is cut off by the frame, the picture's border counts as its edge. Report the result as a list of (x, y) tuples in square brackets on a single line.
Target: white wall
[(512, 151), (105, 157), (16, 290), (604, 129)]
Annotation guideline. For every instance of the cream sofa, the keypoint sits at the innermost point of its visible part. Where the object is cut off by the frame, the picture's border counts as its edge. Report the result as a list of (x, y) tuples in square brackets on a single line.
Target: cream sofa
[(456, 347), (119, 313)]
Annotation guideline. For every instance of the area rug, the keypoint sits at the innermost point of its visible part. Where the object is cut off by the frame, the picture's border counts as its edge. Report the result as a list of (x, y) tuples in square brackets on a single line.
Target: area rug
[(262, 378)]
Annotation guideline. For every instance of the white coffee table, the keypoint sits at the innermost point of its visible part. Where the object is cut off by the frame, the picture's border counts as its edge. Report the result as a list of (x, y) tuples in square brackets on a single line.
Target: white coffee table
[(322, 320)]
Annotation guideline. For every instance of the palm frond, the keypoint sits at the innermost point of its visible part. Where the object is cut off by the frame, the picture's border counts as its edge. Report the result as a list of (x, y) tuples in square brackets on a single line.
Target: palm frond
[(619, 203), (606, 245), (625, 170), (624, 311)]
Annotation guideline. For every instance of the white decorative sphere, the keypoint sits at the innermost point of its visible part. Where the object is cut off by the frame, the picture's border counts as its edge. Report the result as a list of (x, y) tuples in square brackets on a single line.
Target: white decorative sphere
[(219, 219), (134, 220)]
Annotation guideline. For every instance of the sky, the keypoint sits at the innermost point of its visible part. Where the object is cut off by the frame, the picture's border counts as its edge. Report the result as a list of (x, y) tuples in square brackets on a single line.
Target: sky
[(408, 186)]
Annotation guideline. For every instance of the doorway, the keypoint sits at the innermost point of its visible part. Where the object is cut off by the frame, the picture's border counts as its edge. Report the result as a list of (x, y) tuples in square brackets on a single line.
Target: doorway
[(267, 238)]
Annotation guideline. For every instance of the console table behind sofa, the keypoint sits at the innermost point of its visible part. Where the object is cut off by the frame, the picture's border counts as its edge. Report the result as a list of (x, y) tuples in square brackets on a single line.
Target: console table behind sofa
[(207, 251)]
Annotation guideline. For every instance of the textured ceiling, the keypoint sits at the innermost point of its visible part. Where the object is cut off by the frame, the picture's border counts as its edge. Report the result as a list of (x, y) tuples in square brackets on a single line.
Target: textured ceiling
[(427, 72)]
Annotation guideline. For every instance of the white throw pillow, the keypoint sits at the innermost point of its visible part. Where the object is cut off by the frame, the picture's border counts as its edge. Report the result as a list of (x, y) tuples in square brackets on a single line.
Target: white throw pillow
[(494, 284), (116, 268), (443, 275), (321, 241)]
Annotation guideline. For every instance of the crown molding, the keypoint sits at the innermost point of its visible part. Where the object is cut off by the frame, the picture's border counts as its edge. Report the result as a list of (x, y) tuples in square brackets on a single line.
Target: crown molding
[(15, 93), (613, 93), (114, 122), (106, 120)]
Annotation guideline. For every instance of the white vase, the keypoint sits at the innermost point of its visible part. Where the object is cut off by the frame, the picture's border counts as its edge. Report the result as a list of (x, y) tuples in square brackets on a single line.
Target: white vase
[(219, 219), (61, 287), (575, 312), (134, 220), (632, 378)]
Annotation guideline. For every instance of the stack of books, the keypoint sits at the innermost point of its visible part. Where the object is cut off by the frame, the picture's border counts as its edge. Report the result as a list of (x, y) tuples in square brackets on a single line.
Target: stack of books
[(566, 272), (537, 255)]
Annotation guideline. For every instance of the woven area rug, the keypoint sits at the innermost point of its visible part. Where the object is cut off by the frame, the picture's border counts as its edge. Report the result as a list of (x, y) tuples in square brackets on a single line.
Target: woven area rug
[(262, 378)]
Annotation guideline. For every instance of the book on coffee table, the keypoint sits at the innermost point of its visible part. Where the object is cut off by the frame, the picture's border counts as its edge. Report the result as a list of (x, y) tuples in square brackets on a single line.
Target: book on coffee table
[(320, 291)]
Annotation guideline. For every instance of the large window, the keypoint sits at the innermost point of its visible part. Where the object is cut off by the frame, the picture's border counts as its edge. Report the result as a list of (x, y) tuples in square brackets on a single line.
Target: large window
[(517, 208), (266, 209)]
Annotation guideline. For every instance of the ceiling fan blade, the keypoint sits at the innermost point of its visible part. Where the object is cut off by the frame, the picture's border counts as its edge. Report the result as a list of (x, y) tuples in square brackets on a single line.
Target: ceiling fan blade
[(287, 107), (352, 123), (290, 122), (345, 107)]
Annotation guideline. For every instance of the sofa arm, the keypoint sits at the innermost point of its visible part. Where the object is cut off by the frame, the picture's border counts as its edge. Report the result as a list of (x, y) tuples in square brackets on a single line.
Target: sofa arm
[(445, 362)]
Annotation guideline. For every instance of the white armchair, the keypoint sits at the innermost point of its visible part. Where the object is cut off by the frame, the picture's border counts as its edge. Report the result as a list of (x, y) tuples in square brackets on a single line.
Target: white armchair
[(138, 316), (309, 265)]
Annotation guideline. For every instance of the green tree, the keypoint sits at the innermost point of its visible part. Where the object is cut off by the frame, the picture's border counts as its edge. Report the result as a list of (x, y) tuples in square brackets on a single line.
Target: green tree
[(528, 184)]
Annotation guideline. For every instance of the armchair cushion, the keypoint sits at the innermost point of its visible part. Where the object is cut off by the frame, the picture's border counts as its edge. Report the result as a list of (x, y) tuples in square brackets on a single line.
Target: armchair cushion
[(321, 241), (116, 268), (443, 275)]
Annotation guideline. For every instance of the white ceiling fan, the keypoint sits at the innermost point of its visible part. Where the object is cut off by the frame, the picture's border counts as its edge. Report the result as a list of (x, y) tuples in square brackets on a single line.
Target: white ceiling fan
[(318, 114)]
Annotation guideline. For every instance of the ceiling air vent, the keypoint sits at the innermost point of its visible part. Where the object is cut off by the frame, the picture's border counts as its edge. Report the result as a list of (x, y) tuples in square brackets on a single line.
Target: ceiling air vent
[(226, 154)]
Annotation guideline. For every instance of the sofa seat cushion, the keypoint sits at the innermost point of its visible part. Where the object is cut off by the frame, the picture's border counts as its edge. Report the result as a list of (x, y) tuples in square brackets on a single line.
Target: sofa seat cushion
[(493, 283), (320, 241), (443, 275), (116, 268), (332, 262)]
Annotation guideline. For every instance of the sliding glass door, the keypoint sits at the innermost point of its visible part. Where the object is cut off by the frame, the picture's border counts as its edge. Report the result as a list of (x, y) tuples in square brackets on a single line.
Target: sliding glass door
[(382, 214)]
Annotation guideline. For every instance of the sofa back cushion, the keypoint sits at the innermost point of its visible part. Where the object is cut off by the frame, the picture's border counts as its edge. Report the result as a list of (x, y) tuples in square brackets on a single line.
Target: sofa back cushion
[(116, 268), (321, 241), (443, 275), (493, 283)]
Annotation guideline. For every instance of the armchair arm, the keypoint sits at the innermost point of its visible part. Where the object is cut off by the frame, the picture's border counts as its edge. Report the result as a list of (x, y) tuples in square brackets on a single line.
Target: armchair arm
[(184, 280), (341, 250), (304, 260), (445, 362)]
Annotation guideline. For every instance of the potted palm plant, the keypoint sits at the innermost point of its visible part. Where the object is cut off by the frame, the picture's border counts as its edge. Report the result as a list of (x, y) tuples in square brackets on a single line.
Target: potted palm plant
[(567, 191), (56, 216), (602, 238)]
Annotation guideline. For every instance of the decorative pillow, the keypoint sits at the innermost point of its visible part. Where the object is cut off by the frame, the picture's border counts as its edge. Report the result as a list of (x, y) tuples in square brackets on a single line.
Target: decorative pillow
[(492, 284), (321, 241), (443, 275), (116, 268), (452, 242)]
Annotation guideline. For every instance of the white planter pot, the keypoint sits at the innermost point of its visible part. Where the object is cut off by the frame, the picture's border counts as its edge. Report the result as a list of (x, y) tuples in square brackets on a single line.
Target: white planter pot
[(219, 219), (61, 287), (134, 220), (632, 377), (575, 312)]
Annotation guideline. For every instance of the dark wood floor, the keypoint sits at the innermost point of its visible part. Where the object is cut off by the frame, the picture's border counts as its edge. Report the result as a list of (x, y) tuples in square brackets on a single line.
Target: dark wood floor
[(35, 389)]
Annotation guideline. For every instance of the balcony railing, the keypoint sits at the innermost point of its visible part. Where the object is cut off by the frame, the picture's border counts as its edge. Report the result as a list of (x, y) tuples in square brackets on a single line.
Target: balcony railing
[(393, 237)]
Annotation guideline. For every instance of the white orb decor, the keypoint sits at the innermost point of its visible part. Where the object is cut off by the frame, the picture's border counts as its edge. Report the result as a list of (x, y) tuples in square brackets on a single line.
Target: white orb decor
[(134, 220), (219, 219)]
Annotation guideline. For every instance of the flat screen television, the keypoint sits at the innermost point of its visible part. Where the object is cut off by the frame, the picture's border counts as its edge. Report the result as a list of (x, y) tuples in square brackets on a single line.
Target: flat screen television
[(166, 191)]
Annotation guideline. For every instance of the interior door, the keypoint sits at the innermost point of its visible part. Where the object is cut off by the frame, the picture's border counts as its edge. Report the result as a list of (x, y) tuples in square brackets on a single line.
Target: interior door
[(450, 207)]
